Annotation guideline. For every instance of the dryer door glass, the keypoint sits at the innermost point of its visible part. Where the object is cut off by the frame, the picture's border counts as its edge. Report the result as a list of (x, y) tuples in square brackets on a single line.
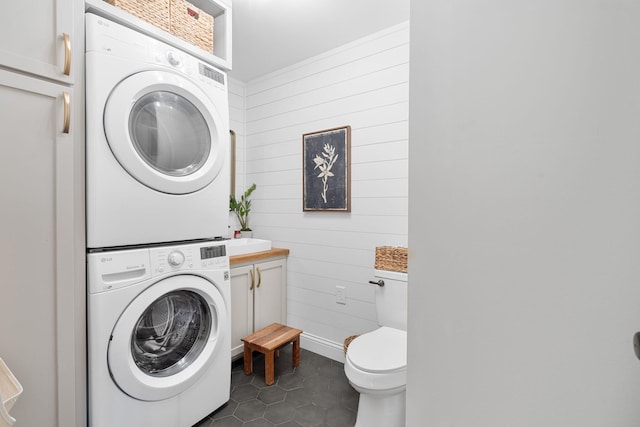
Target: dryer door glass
[(171, 333), (169, 133)]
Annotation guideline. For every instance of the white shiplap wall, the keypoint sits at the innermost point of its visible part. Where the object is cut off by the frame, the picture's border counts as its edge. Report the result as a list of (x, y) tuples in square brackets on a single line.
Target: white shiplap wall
[(363, 84)]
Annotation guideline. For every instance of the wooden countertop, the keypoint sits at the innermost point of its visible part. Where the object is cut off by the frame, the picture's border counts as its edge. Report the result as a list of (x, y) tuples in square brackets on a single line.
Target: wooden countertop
[(237, 259)]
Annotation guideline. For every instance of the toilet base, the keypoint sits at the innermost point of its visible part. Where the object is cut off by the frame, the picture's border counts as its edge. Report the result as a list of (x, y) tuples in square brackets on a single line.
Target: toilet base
[(386, 410)]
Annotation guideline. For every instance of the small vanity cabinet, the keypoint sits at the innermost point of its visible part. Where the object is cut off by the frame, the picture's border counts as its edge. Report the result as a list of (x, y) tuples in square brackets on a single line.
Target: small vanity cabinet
[(258, 293)]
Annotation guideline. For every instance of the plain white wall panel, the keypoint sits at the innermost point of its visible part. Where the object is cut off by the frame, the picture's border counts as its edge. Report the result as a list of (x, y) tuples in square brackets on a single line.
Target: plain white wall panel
[(326, 300), (386, 169), (357, 291), (382, 188), (380, 42), (382, 200), (334, 254), (364, 116), (331, 91), (361, 223), (288, 235), (361, 101), (324, 327), (335, 322), (524, 118), (358, 275)]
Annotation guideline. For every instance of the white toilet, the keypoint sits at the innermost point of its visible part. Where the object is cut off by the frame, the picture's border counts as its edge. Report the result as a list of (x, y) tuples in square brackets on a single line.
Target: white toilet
[(376, 362)]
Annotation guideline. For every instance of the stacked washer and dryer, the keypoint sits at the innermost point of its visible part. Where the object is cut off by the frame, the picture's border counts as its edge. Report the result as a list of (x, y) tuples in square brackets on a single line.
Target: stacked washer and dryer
[(158, 299)]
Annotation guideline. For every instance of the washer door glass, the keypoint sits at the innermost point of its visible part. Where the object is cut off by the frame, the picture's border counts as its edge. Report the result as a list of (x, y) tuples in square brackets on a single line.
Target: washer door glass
[(168, 336), (171, 333), (169, 133)]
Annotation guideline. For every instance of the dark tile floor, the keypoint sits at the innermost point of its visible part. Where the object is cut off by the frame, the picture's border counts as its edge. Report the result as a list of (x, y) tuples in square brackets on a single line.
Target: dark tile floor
[(316, 393)]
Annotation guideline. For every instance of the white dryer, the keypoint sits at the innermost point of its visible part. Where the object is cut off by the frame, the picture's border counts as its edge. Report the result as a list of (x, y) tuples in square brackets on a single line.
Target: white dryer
[(158, 334), (157, 138)]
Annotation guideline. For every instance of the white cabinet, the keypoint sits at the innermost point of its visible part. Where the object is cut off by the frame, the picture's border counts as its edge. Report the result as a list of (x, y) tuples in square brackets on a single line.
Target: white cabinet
[(39, 302), (36, 37), (42, 284), (258, 298)]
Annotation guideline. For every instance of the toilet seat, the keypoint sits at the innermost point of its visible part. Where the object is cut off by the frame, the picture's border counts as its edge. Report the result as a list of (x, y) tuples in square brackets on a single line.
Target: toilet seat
[(376, 362), (382, 351)]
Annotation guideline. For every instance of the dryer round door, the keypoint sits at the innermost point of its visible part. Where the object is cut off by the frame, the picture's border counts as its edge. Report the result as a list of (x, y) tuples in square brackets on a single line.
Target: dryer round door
[(165, 132), (166, 337)]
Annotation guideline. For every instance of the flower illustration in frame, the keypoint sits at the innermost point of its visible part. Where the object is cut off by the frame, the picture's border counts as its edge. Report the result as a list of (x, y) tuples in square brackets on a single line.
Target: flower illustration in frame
[(326, 170)]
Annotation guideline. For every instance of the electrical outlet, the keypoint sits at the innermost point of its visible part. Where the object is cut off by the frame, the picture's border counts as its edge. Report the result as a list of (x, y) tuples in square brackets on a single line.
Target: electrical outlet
[(341, 295)]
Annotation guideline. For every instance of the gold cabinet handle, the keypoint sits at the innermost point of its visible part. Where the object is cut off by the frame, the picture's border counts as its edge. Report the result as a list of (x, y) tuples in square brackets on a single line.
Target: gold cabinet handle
[(67, 54), (66, 122), (259, 277), (252, 279)]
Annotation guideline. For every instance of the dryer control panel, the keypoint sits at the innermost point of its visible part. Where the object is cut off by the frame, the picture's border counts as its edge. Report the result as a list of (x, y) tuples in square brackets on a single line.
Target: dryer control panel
[(117, 41)]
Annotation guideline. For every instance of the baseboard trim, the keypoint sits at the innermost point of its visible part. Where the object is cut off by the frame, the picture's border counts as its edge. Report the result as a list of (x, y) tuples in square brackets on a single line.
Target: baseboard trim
[(322, 346)]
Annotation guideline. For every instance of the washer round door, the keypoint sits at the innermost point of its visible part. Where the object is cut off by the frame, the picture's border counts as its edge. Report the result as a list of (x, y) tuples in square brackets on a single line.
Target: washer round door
[(166, 337), (165, 132)]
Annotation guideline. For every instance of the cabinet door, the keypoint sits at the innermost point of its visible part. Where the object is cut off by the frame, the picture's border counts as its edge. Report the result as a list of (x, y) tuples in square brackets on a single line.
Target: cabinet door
[(32, 37), (242, 282), (270, 303), (38, 311)]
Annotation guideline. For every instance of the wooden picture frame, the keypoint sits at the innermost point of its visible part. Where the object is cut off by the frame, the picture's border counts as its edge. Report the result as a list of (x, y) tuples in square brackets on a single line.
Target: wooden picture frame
[(326, 170)]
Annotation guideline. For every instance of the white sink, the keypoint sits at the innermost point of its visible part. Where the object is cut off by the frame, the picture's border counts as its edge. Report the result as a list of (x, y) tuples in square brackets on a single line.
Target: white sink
[(247, 246)]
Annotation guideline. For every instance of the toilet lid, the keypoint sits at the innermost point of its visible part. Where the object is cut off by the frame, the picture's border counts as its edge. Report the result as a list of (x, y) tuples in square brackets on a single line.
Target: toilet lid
[(383, 350)]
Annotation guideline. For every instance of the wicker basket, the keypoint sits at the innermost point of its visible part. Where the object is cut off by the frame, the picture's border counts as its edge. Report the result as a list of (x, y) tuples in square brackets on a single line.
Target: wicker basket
[(391, 258), (347, 341), (191, 24), (155, 12)]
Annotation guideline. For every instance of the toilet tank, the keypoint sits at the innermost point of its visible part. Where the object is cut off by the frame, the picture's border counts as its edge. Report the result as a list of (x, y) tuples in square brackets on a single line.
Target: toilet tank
[(391, 299)]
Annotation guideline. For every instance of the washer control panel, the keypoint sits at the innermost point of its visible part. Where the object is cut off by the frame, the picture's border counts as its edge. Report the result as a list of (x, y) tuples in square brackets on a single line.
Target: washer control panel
[(176, 259), (206, 255), (110, 270)]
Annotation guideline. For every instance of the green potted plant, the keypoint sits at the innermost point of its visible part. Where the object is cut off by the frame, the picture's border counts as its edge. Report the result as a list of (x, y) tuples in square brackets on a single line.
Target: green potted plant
[(242, 208)]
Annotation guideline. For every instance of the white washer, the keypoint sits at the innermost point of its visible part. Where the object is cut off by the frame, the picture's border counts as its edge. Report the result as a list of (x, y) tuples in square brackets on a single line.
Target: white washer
[(158, 334), (157, 127)]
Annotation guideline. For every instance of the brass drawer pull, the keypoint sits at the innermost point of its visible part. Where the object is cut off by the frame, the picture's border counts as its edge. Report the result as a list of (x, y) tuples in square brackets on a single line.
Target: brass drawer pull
[(67, 54), (66, 122)]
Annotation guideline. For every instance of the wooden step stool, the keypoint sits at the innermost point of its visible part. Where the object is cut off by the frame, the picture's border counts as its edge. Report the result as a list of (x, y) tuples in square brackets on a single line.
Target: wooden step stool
[(268, 341)]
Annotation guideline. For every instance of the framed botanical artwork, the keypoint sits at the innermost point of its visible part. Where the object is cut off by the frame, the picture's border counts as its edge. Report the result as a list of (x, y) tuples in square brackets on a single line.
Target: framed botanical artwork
[(326, 170)]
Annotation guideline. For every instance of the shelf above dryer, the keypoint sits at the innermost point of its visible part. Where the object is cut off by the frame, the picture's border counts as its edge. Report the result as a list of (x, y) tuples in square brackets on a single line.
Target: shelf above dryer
[(220, 10)]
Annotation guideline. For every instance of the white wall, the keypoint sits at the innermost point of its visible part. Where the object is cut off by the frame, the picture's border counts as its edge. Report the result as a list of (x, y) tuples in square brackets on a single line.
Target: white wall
[(365, 85), (525, 161)]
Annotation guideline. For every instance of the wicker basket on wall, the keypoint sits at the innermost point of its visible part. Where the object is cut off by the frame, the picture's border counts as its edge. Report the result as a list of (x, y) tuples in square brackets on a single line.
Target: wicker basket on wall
[(178, 17), (191, 24), (155, 12), (391, 258)]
